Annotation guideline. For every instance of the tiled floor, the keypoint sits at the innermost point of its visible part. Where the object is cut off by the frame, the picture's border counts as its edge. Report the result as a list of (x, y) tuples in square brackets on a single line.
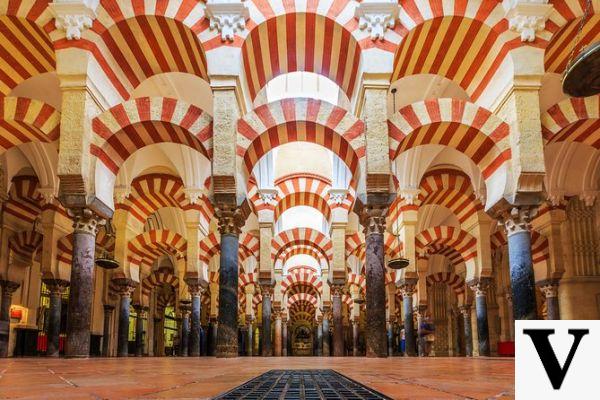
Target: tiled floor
[(186, 378)]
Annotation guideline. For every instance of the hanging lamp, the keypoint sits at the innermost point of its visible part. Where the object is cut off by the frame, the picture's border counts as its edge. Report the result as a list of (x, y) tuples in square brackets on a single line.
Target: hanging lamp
[(582, 75), (107, 260)]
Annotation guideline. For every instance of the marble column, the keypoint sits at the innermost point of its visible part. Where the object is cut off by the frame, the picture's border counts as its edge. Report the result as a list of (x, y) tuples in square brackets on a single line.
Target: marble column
[(57, 288), (159, 350), (195, 290), (338, 328), (319, 349), (277, 339), (212, 339), (81, 293), (390, 337), (184, 342), (549, 289), (518, 228), (139, 330), (372, 218), (466, 314), (407, 288), (108, 311), (355, 334), (456, 318), (230, 223), (480, 287), (420, 311), (249, 336), (8, 288), (325, 333), (267, 295), (284, 337), (126, 288)]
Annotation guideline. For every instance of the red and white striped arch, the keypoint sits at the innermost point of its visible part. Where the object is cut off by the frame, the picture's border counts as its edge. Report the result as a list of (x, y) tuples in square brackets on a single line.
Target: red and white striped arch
[(476, 32), (26, 49), (464, 126), (573, 120), (164, 300), (246, 279), (451, 189), (540, 251), (309, 250), (145, 248), (454, 282), (303, 237), (24, 120), (24, 200), (159, 277), (130, 126), (437, 238), (300, 120), (357, 280), (25, 244), (302, 297), (304, 276), (209, 247), (303, 199), (302, 310), (353, 243), (249, 246), (392, 246), (299, 41), (152, 192)]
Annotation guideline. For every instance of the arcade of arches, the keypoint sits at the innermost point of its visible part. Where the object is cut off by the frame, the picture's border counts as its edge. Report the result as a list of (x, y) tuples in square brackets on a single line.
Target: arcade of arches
[(253, 166)]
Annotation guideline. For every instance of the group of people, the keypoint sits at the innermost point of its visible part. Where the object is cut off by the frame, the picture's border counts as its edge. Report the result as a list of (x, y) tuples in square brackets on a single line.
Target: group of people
[(424, 337)]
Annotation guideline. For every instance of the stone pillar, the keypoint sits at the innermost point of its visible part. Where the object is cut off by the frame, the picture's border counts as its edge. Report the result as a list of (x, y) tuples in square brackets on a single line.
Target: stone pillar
[(325, 333), (338, 328), (139, 330), (549, 289), (81, 293), (249, 336), (390, 337), (8, 288), (355, 334), (126, 288), (108, 311), (456, 316), (420, 311), (231, 220), (284, 337), (267, 294), (407, 288), (184, 342), (212, 342), (195, 290), (57, 288), (319, 349), (480, 287), (466, 314), (159, 349), (372, 219), (518, 228), (277, 342)]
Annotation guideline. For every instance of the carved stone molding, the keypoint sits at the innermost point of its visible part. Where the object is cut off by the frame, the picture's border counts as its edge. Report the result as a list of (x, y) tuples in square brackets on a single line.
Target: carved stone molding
[(267, 291), (372, 218), (56, 285), (527, 17), (194, 285), (518, 219), (337, 290), (231, 219), (85, 221), (407, 287), (227, 16), (409, 194), (549, 288), (124, 286), (377, 16), (9, 287), (268, 196), (74, 16), (193, 195), (480, 286), (338, 195)]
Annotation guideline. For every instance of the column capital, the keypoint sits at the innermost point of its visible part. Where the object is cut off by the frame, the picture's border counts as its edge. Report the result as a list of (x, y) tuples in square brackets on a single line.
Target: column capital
[(337, 289), (195, 287), (56, 285), (408, 286), (74, 16), (124, 286), (231, 218), (465, 310), (527, 17), (267, 290), (509, 297), (548, 287), (9, 287), (185, 310), (372, 218), (480, 285), (376, 16), (227, 17), (518, 219), (85, 220)]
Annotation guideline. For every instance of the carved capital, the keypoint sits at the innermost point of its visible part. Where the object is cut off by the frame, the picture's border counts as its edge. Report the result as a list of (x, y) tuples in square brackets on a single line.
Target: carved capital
[(377, 16), (74, 16), (231, 219), (480, 286), (518, 219), (124, 286), (56, 286), (85, 221), (407, 287), (337, 290), (465, 310), (227, 16), (527, 17), (267, 291), (337, 196), (195, 287), (409, 194), (372, 218), (549, 288), (9, 287), (108, 308), (193, 195)]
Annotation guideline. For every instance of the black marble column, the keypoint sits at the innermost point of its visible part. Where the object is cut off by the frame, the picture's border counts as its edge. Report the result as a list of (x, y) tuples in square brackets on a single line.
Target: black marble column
[(457, 320), (407, 288), (195, 290), (549, 289), (355, 334), (212, 336), (480, 287), (284, 337), (338, 328), (184, 341), (466, 314), (126, 288), (106, 334), (139, 330), (390, 337), (517, 223), (56, 288), (372, 218), (204, 340), (267, 294), (325, 333), (81, 293), (249, 337), (319, 337), (8, 288)]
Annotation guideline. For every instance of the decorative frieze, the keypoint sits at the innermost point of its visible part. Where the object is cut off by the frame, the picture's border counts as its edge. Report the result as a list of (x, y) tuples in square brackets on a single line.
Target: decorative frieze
[(74, 16), (518, 219), (527, 17), (377, 16), (227, 16)]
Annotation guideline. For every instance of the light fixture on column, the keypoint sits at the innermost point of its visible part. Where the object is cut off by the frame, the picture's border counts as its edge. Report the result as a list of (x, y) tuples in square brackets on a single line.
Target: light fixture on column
[(107, 260), (398, 262), (582, 75)]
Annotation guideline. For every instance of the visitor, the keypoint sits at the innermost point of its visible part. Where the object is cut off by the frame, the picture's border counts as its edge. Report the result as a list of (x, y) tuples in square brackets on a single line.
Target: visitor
[(427, 334)]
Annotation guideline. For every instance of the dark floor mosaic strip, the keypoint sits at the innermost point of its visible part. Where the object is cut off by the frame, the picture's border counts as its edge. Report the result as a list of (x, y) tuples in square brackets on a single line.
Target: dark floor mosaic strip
[(310, 384)]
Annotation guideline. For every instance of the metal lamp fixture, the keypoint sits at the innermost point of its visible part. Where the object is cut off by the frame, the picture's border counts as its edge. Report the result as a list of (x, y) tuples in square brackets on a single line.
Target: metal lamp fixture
[(107, 260)]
